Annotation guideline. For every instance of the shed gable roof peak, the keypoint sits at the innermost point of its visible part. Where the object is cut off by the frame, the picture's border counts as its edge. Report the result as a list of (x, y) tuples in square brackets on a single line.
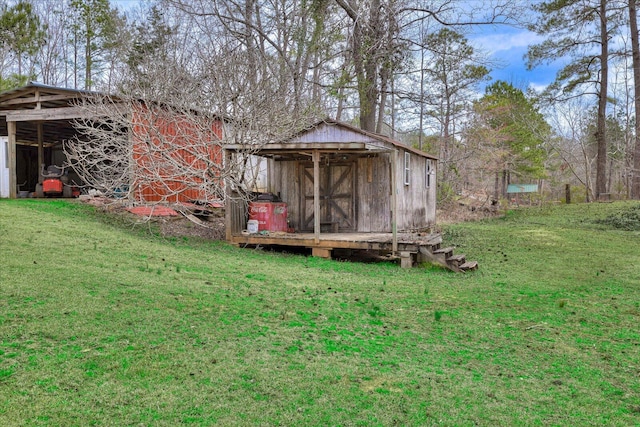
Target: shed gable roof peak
[(334, 131)]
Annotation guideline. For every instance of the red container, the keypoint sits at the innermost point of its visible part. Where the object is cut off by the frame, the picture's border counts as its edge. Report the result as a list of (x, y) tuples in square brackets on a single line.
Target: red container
[(271, 216)]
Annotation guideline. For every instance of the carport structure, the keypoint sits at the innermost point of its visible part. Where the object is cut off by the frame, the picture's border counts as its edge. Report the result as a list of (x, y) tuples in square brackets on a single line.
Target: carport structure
[(36, 119)]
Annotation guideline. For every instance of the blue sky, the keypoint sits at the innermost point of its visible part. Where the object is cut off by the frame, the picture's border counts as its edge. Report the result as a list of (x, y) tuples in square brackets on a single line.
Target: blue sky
[(508, 46)]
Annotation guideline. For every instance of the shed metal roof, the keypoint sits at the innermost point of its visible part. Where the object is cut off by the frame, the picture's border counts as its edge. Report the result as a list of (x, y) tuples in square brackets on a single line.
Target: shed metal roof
[(522, 188), (330, 135)]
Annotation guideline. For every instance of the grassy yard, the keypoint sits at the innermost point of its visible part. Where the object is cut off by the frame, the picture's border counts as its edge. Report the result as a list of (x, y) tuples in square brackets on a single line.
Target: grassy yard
[(106, 325)]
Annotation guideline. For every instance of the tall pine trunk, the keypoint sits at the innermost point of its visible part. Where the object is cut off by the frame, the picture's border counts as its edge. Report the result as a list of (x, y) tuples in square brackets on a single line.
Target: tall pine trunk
[(601, 137), (635, 49)]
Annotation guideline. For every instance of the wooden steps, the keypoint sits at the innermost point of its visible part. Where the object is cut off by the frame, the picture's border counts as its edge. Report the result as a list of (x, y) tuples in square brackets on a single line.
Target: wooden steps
[(469, 266), (457, 260), (447, 252), (446, 258)]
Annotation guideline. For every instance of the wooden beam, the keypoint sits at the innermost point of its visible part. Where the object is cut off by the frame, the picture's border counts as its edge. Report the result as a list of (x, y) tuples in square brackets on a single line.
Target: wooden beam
[(61, 113), (13, 179), (394, 201), (321, 252), (33, 100), (40, 151), (316, 196), (327, 242), (37, 97), (299, 146), (227, 203)]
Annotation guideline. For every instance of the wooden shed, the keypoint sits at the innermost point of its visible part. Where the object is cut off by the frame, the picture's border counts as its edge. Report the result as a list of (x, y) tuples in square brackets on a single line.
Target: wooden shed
[(345, 188), (36, 120)]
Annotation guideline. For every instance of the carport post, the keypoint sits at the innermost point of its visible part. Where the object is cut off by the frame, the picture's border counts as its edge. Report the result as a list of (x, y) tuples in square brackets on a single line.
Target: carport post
[(394, 202), (40, 151), (11, 152), (316, 196)]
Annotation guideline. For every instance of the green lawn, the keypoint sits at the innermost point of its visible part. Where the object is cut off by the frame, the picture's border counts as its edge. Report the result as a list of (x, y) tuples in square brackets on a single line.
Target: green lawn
[(106, 325)]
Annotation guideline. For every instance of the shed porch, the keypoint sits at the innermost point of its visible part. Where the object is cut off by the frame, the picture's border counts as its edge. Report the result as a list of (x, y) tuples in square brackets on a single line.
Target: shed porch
[(408, 245), (412, 248)]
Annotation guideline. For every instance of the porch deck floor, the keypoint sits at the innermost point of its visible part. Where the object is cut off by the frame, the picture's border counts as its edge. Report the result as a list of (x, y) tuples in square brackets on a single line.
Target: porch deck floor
[(409, 242)]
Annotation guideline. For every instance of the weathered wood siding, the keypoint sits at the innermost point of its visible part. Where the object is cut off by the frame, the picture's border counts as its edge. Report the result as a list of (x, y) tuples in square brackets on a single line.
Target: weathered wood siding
[(374, 194), (371, 179), (284, 180), (416, 202), (237, 214), (332, 134)]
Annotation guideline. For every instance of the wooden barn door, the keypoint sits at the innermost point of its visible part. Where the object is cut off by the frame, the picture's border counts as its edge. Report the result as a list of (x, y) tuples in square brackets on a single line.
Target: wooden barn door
[(337, 184)]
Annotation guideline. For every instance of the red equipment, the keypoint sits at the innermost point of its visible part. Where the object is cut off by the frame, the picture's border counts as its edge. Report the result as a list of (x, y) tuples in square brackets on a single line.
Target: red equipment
[(55, 183), (271, 216)]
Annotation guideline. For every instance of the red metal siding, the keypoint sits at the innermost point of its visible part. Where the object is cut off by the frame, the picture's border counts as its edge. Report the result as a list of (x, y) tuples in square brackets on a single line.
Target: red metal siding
[(175, 157)]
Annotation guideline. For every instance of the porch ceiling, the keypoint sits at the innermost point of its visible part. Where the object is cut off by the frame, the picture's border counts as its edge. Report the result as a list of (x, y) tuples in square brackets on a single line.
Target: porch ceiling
[(305, 150), (53, 132), (37, 104)]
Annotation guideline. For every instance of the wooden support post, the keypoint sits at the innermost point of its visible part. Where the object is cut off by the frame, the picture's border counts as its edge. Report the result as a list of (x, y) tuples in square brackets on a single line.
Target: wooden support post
[(316, 196), (406, 260), (394, 202), (11, 152), (40, 151), (321, 252), (228, 203), (270, 184)]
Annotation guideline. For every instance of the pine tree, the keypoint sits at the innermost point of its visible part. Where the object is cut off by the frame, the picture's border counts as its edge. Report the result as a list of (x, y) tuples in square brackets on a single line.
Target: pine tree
[(579, 30)]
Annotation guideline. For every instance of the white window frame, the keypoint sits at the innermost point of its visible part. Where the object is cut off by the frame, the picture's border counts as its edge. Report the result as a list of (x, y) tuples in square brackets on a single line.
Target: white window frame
[(407, 169)]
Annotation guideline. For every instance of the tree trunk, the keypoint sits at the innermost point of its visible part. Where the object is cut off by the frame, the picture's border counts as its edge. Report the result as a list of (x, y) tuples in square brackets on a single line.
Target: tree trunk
[(503, 189), (87, 64), (601, 138), (384, 76), (635, 48), (445, 158), (365, 61)]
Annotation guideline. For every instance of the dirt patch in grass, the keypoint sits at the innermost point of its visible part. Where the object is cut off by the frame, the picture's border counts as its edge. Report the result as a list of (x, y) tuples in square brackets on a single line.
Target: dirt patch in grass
[(455, 213), (212, 228), (208, 227)]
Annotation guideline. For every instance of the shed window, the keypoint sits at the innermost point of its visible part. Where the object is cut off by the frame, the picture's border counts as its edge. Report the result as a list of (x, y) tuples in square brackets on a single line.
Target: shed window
[(427, 174), (407, 176)]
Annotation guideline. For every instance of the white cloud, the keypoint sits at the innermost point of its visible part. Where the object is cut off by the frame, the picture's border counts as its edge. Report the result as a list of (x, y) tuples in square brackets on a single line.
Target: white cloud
[(537, 87), (506, 41)]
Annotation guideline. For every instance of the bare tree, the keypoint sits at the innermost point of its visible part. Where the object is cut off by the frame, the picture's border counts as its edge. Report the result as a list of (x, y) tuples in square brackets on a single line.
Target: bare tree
[(169, 124), (572, 121), (51, 57), (149, 152)]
